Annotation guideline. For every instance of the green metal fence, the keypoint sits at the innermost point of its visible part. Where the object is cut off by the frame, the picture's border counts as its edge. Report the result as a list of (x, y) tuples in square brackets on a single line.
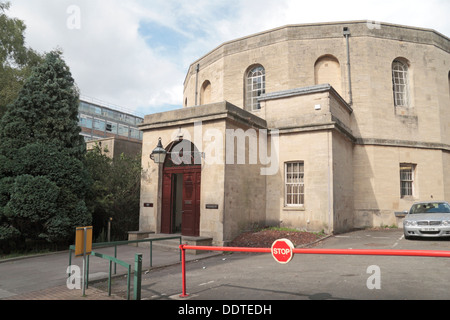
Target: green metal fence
[(114, 260), (123, 264), (115, 244)]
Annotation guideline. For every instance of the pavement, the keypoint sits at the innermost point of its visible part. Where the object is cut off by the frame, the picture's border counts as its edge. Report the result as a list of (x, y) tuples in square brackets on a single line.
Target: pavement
[(244, 276), (45, 277)]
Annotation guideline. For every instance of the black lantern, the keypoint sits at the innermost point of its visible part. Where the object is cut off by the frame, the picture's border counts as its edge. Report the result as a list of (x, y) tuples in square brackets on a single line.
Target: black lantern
[(159, 153)]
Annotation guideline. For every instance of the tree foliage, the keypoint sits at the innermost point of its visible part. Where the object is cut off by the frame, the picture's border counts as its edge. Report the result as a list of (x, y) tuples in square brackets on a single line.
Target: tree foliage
[(16, 60), (43, 178), (114, 193)]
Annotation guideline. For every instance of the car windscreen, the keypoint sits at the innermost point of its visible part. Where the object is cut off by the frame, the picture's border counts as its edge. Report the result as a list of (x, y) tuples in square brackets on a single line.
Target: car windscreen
[(432, 207)]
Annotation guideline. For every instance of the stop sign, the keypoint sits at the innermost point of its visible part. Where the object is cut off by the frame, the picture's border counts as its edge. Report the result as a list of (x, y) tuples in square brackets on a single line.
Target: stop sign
[(282, 250)]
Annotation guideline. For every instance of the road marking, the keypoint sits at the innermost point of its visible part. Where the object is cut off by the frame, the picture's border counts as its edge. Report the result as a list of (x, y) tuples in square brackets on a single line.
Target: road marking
[(396, 242)]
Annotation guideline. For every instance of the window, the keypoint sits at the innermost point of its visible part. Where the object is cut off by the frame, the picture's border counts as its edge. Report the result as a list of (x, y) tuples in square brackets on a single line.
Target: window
[(255, 87), (294, 184), (111, 127), (400, 82), (134, 134), (123, 130), (99, 125), (407, 179), (85, 121)]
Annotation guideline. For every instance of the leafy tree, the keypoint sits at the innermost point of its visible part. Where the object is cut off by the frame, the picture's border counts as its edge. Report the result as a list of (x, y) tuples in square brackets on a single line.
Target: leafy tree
[(16, 60), (114, 192), (43, 178)]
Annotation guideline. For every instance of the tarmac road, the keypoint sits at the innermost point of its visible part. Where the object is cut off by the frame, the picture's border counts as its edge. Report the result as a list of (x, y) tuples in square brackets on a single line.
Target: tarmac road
[(244, 276), (44, 277)]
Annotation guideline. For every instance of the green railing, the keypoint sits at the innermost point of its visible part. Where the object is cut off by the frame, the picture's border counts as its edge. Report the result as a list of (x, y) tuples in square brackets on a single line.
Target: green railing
[(138, 262), (137, 273), (125, 242)]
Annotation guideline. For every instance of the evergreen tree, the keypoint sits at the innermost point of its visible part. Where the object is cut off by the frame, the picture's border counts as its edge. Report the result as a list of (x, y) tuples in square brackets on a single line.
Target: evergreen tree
[(43, 179)]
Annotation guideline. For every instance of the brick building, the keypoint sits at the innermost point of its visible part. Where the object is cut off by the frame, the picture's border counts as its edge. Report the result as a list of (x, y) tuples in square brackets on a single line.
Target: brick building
[(328, 126)]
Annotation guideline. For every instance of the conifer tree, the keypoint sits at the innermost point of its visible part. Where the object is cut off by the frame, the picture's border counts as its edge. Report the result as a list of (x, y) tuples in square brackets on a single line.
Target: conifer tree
[(43, 179)]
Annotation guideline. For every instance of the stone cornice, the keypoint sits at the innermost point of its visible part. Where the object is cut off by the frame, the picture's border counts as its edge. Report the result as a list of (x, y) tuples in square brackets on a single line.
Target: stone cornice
[(402, 143)]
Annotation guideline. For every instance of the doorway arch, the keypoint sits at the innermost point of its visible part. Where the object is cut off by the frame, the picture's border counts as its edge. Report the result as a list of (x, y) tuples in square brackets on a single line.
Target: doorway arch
[(181, 183)]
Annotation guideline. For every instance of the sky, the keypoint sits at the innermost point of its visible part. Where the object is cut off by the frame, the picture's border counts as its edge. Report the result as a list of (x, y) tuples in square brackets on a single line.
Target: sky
[(135, 54)]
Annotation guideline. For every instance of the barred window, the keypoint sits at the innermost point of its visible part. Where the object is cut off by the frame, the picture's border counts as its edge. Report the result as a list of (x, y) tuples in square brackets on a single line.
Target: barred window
[(255, 87), (294, 184), (400, 83), (407, 179)]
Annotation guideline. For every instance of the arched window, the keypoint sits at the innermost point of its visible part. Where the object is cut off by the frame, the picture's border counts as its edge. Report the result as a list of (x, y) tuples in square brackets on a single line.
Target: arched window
[(205, 93), (400, 82), (328, 70), (255, 87)]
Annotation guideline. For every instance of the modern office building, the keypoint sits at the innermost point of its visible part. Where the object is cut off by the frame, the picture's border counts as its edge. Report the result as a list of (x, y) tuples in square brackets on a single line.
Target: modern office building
[(98, 121)]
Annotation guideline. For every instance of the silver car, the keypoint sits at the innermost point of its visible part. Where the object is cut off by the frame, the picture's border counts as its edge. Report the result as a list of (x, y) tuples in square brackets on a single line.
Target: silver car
[(427, 219)]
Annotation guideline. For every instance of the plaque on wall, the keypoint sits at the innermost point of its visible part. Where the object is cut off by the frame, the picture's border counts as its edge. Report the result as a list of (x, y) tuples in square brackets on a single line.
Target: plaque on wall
[(212, 206)]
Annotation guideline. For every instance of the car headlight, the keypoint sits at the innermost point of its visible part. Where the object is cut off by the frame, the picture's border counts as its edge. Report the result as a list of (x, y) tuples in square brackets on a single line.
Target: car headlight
[(446, 223), (410, 223)]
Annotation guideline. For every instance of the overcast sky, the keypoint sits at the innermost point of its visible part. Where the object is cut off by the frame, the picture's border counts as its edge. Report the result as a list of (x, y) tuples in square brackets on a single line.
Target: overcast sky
[(136, 53)]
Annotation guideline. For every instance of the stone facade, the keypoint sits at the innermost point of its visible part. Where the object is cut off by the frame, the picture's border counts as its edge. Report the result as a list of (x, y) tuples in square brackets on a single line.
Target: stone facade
[(328, 110), (116, 146)]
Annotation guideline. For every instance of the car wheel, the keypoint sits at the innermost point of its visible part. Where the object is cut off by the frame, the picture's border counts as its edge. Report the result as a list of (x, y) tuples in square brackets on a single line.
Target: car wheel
[(408, 237)]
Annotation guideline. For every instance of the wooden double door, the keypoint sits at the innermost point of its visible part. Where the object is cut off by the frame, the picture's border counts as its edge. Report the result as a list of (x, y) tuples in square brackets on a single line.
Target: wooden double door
[(181, 200)]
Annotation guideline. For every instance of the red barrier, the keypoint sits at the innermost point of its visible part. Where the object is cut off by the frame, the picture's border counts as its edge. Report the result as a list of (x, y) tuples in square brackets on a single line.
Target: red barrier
[(372, 252)]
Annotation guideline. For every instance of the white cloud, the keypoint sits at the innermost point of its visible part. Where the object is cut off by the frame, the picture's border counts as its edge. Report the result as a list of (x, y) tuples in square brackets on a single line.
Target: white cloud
[(135, 53), (107, 57)]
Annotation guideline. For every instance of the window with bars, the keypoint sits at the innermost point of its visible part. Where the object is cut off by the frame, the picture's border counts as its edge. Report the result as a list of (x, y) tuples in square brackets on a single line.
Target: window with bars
[(255, 87), (400, 82), (407, 179), (294, 184)]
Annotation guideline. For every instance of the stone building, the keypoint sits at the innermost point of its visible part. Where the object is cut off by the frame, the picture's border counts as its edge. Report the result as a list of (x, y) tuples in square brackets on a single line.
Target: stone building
[(328, 126)]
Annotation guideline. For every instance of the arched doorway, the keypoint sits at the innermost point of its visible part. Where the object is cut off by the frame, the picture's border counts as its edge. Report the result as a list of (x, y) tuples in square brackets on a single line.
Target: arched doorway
[(181, 189)]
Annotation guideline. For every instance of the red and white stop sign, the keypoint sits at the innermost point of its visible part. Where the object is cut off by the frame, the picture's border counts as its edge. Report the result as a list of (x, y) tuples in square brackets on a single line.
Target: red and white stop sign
[(282, 250)]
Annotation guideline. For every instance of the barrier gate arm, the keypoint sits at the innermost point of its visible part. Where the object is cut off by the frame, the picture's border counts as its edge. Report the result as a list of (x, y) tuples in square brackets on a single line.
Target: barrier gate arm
[(372, 252)]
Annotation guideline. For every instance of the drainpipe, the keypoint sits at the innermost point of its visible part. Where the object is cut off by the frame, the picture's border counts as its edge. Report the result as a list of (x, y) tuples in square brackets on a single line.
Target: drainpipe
[(196, 84), (330, 188), (346, 32)]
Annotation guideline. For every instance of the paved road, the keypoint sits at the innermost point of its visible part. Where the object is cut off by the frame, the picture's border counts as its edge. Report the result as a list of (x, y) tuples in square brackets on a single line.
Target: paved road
[(241, 276), (37, 276)]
